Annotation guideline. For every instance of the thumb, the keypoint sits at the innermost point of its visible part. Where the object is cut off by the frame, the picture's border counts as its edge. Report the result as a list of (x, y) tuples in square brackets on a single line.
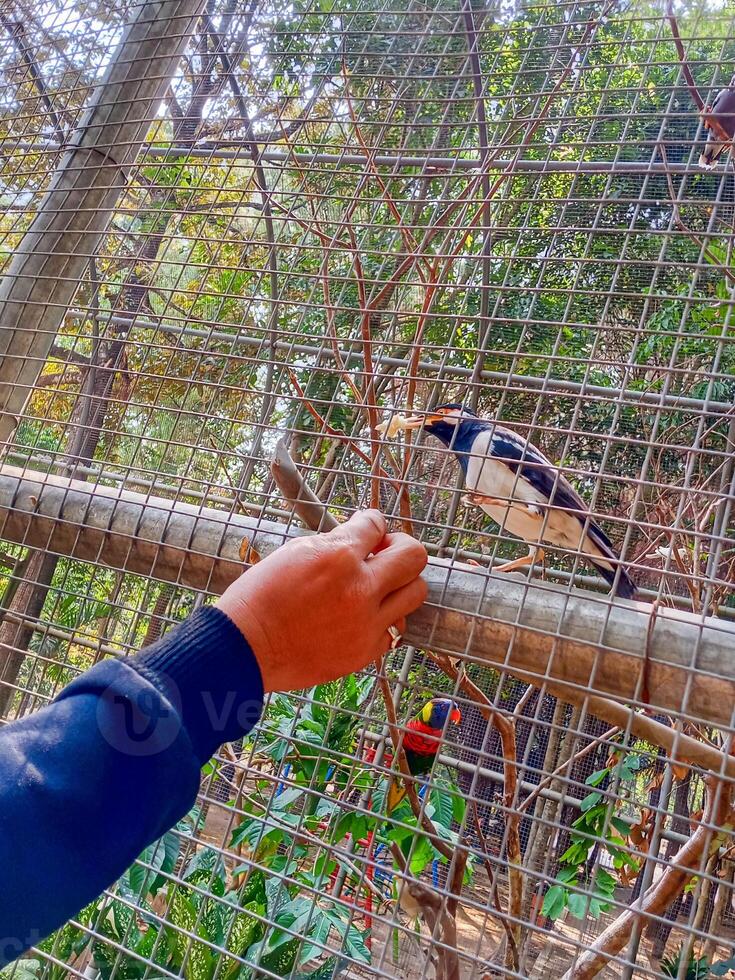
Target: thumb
[(365, 530)]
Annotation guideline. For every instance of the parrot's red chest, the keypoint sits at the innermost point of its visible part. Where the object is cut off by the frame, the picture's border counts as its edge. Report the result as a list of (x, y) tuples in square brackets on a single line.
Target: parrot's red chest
[(421, 739)]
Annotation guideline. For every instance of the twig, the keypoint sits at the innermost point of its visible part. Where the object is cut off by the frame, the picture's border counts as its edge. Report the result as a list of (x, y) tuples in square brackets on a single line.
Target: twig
[(17, 32), (523, 700), (693, 91), (590, 747), (679, 222), (502, 918), (337, 434), (410, 243)]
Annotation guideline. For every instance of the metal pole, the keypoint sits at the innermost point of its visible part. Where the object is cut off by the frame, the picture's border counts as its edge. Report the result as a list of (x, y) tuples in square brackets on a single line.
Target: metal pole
[(74, 214)]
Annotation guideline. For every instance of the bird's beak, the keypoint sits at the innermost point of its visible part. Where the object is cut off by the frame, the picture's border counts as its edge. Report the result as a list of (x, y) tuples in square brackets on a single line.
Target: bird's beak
[(416, 421), (455, 716)]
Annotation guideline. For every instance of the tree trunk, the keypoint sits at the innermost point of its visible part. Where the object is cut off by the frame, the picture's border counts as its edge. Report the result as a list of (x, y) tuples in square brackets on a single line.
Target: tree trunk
[(84, 439), (540, 833), (74, 215), (659, 932), (158, 613), (723, 901), (14, 636)]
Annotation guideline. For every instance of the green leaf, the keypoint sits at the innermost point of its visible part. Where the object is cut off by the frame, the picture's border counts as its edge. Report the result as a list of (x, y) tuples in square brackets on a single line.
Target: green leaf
[(443, 804), (422, 854), (622, 827), (597, 777), (605, 882), (592, 799), (597, 907), (555, 901), (577, 904), (29, 969), (567, 876)]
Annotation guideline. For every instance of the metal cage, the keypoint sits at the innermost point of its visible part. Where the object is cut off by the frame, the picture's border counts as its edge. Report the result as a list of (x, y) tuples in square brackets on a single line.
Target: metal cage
[(235, 238)]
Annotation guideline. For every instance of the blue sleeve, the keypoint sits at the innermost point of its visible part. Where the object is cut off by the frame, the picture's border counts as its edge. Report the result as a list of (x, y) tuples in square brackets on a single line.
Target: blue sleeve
[(89, 781)]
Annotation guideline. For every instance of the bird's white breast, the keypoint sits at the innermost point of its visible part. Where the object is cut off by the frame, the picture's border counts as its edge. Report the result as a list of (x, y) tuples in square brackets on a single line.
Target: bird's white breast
[(493, 478)]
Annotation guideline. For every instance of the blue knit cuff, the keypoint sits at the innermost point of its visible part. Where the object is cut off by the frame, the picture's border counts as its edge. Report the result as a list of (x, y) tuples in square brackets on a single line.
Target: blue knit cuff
[(206, 668)]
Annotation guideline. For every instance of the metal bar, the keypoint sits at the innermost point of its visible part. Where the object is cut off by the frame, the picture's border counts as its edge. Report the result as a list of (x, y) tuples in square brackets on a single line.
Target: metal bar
[(395, 161), (352, 358), (472, 613), (43, 275)]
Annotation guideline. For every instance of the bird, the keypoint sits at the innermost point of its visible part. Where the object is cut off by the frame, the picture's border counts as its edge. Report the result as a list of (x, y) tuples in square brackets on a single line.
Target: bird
[(719, 121), (521, 490), (421, 742)]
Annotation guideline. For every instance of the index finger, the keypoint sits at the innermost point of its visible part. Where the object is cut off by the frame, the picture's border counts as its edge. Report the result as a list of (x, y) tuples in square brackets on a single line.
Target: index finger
[(365, 530)]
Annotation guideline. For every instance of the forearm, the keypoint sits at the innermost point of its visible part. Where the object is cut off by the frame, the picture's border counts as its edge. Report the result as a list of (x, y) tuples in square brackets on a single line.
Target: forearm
[(89, 781)]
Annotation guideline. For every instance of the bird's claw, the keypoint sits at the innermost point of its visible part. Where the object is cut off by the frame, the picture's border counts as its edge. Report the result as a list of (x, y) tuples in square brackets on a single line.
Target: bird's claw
[(471, 499)]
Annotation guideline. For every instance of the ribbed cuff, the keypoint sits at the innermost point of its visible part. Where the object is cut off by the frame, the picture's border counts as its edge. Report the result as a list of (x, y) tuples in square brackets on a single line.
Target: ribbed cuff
[(207, 670)]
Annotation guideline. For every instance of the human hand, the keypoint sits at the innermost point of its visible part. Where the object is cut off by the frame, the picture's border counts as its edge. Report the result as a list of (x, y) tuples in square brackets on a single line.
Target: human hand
[(320, 606)]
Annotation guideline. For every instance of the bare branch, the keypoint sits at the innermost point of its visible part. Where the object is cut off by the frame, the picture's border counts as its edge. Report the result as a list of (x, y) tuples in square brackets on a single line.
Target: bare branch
[(16, 30), (693, 91)]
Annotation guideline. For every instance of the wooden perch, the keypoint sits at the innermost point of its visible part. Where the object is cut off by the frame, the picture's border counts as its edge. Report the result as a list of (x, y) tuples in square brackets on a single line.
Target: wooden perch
[(571, 641), (296, 491)]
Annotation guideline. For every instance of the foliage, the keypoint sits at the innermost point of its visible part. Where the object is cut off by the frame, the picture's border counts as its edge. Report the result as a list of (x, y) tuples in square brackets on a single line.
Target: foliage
[(589, 285), (697, 968), (590, 893)]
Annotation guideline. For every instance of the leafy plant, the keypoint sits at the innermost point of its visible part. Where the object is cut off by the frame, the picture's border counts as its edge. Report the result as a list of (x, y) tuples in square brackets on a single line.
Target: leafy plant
[(697, 968), (591, 894)]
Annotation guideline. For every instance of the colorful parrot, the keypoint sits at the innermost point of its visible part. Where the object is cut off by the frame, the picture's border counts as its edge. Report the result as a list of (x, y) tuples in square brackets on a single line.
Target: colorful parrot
[(421, 742)]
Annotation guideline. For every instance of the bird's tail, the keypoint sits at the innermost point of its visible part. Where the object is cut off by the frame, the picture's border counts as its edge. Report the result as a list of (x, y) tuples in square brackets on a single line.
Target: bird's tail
[(396, 792), (625, 587), (599, 552)]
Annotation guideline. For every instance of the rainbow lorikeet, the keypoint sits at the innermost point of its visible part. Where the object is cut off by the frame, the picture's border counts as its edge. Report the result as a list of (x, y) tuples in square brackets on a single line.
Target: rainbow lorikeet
[(421, 742)]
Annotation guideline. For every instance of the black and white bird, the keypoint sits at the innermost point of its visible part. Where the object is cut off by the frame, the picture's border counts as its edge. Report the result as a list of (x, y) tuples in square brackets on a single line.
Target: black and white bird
[(719, 121), (523, 492)]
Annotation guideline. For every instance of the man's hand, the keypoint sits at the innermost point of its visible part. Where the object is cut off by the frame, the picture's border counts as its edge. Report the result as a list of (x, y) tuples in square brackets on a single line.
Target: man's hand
[(320, 607)]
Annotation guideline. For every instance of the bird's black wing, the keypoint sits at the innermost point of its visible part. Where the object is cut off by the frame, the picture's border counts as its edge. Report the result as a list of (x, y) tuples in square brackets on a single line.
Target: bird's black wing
[(530, 464), (723, 109)]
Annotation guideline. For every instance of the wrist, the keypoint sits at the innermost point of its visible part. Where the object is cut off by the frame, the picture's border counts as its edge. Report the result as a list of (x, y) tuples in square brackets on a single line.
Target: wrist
[(241, 615)]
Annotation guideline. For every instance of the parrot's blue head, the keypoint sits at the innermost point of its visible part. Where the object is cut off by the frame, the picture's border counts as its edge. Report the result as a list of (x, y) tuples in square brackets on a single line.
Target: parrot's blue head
[(435, 713)]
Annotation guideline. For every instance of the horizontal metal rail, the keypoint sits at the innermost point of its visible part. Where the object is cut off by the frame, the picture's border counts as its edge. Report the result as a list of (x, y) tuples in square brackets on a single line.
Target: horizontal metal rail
[(397, 161), (353, 357), (570, 640)]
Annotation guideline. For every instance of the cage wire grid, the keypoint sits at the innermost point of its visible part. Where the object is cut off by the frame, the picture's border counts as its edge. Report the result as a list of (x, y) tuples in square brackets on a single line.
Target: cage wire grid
[(323, 214)]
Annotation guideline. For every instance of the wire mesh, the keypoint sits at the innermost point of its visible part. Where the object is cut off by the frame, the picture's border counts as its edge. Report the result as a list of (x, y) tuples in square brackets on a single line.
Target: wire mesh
[(341, 211)]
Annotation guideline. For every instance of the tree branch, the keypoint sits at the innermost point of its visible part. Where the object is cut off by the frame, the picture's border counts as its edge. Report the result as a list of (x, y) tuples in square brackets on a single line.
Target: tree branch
[(715, 826), (693, 91), (16, 31)]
